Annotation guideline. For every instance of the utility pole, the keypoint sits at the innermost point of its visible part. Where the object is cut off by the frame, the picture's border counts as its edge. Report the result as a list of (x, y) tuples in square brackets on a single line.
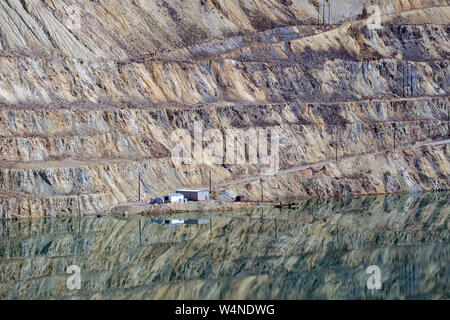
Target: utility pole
[(210, 188), (29, 227), (79, 205), (79, 225), (139, 187), (323, 14), (323, 7), (262, 190), (318, 16), (329, 13)]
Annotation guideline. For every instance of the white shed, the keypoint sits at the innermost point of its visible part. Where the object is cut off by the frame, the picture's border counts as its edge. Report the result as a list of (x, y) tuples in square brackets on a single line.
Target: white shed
[(174, 197), (195, 195)]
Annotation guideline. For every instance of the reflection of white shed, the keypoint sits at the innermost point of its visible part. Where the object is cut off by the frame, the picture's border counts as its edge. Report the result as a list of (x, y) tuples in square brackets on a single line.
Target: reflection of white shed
[(181, 221), (174, 197)]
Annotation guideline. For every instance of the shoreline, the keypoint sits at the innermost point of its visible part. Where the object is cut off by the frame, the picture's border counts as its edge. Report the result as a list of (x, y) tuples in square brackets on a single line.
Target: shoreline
[(192, 206), (221, 205), (213, 205)]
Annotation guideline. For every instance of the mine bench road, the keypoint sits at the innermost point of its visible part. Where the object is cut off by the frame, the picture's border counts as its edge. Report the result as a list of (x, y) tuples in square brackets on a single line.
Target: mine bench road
[(221, 186), (323, 163), (256, 44), (200, 105)]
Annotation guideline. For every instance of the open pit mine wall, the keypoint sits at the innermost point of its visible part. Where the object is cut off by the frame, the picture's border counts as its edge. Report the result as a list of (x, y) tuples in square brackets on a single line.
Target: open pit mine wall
[(117, 29), (55, 157), (336, 63), (83, 111), (341, 64)]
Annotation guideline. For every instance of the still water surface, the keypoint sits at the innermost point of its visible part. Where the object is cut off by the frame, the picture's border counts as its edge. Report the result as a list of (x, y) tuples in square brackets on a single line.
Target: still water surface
[(318, 251)]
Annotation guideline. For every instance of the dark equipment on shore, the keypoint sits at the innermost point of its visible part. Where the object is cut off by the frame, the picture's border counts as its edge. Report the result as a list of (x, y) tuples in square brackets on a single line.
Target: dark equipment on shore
[(157, 201), (240, 199)]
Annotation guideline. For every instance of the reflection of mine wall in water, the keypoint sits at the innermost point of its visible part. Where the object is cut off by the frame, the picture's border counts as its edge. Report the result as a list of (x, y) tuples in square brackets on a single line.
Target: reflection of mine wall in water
[(297, 254)]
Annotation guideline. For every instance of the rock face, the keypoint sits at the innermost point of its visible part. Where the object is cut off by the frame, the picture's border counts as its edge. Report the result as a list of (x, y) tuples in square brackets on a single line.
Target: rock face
[(319, 251), (91, 93)]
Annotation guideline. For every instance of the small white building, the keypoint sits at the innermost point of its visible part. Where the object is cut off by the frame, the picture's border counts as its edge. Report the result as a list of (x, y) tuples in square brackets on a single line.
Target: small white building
[(195, 195), (174, 197)]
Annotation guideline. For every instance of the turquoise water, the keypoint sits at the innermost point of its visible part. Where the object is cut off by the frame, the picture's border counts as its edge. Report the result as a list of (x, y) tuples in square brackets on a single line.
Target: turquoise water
[(320, 250)]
